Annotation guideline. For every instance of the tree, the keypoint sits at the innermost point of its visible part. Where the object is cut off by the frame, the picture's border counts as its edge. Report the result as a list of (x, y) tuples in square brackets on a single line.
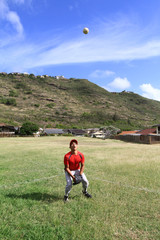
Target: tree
[(28, 128), (115, 117)]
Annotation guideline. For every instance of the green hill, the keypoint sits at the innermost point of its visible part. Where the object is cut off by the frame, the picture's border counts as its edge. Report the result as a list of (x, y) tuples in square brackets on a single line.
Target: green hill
[(71, 103)]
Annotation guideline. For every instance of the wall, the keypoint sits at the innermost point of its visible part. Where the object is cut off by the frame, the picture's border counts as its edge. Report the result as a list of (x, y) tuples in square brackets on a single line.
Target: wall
[(146, 139)]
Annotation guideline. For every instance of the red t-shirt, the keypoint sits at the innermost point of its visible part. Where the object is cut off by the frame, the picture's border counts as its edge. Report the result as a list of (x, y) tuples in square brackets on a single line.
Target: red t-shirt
[(73, 160)]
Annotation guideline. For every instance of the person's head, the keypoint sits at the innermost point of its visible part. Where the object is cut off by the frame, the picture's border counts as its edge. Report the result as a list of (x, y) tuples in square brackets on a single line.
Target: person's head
[(73, 144)]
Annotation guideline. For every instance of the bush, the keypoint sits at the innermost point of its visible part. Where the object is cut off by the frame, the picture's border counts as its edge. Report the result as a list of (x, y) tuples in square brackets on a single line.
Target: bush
[(21, 85), (13, 93), (36, 105), (28, 92), (99, 117), (8, 101), (115, 117), (24, 87), (50, 105), (28, 128), (31, 75)]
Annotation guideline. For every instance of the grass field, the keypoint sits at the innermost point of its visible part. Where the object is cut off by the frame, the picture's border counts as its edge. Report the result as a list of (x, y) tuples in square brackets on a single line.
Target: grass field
[(124, 182)]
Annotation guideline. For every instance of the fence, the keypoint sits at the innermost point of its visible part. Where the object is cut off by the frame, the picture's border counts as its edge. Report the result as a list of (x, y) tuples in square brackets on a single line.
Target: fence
[(7, 134), (137, 138)]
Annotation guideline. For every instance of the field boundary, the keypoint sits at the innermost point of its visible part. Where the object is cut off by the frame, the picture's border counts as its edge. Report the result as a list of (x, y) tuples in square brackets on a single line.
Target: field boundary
[(128, 186), (102, 180), (28, 182)]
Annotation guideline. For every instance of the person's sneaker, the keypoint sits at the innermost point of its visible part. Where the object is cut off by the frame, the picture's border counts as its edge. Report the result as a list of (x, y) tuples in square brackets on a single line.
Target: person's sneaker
[(86, 194), (66, 199)]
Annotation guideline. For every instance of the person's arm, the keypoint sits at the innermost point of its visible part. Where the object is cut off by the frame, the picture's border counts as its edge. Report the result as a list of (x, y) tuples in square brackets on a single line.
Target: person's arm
[(69, 172), (82, 168)]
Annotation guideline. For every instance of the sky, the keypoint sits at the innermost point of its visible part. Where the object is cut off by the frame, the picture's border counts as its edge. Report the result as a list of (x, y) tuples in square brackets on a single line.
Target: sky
[(120, 52)]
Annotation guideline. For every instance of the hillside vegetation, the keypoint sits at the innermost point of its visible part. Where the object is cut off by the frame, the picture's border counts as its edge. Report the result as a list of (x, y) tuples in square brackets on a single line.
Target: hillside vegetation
[(71, 103)]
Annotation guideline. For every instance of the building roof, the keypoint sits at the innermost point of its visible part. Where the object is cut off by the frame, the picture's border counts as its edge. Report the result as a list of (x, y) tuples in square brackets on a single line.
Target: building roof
[(77, 131), (53, 131), (147, 131), (92, 129), (128, 132), (2, 124), (140, 132), (157, 125)]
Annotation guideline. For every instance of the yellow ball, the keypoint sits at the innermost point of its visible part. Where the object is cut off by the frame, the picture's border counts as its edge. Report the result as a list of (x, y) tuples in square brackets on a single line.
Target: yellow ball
[(85, 30)]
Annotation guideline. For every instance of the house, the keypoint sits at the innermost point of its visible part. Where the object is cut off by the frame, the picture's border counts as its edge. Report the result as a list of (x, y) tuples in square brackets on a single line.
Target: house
[(52, 131), (77, 132), (128, 132), (98, 134), (147, 131), (38, 133), (91, 130), (7, 130), (59, 77), (103, 132), (157, 128), (3, 73), (95, 133), (15, 73), (146, 136)]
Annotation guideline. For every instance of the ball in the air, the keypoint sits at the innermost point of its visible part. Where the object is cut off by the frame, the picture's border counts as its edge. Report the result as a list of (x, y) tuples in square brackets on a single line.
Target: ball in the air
[(85, 30)]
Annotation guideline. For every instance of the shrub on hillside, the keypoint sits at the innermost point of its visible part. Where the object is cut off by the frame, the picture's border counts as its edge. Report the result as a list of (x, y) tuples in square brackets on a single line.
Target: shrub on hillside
[(8, 101), (50, 105), (21, 85), (28, 128), (99, 117), (115, 117), (36, 105), (13, 93)]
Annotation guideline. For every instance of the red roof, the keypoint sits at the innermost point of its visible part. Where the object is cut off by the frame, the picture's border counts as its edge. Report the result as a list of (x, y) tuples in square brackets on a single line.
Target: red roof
[(128, 132), (2, 124), (147, 131)]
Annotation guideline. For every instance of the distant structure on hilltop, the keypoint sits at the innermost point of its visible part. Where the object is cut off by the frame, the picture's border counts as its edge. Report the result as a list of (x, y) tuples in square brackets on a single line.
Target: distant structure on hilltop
[(28, 74), (59, 77)]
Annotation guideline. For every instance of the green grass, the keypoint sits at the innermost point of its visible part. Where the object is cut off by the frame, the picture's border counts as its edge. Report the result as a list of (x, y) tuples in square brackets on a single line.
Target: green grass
[(124, 182)]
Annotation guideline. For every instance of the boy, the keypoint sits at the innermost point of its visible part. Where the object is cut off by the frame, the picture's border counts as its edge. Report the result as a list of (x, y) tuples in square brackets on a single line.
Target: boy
[(74, 164)]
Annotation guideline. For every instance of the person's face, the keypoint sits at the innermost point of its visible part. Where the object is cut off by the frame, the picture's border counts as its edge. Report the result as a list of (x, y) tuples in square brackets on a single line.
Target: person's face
[(73, 146)]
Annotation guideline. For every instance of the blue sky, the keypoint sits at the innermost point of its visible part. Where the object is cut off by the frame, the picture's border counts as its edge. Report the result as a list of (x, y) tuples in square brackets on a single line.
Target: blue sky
[(121, 51)]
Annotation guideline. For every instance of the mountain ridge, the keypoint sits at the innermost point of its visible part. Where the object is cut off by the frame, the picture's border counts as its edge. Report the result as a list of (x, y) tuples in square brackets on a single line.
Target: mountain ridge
[(71, 103)]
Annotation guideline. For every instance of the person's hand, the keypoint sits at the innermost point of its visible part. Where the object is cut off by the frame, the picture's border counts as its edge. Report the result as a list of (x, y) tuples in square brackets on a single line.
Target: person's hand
[(74, 179)]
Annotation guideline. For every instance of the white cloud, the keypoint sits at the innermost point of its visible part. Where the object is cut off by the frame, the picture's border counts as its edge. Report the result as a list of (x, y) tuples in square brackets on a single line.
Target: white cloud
[(150, 92), (12, 17), (122, 44), (119, 83), (111, 41), (101, 74), (3, 8)]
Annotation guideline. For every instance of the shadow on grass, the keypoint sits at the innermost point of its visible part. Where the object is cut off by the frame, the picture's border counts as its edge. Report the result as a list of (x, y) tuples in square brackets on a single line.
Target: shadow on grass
[(44, 197)]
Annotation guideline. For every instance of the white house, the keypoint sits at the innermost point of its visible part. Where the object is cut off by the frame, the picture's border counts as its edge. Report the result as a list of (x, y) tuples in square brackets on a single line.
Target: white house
[(59, 77)]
